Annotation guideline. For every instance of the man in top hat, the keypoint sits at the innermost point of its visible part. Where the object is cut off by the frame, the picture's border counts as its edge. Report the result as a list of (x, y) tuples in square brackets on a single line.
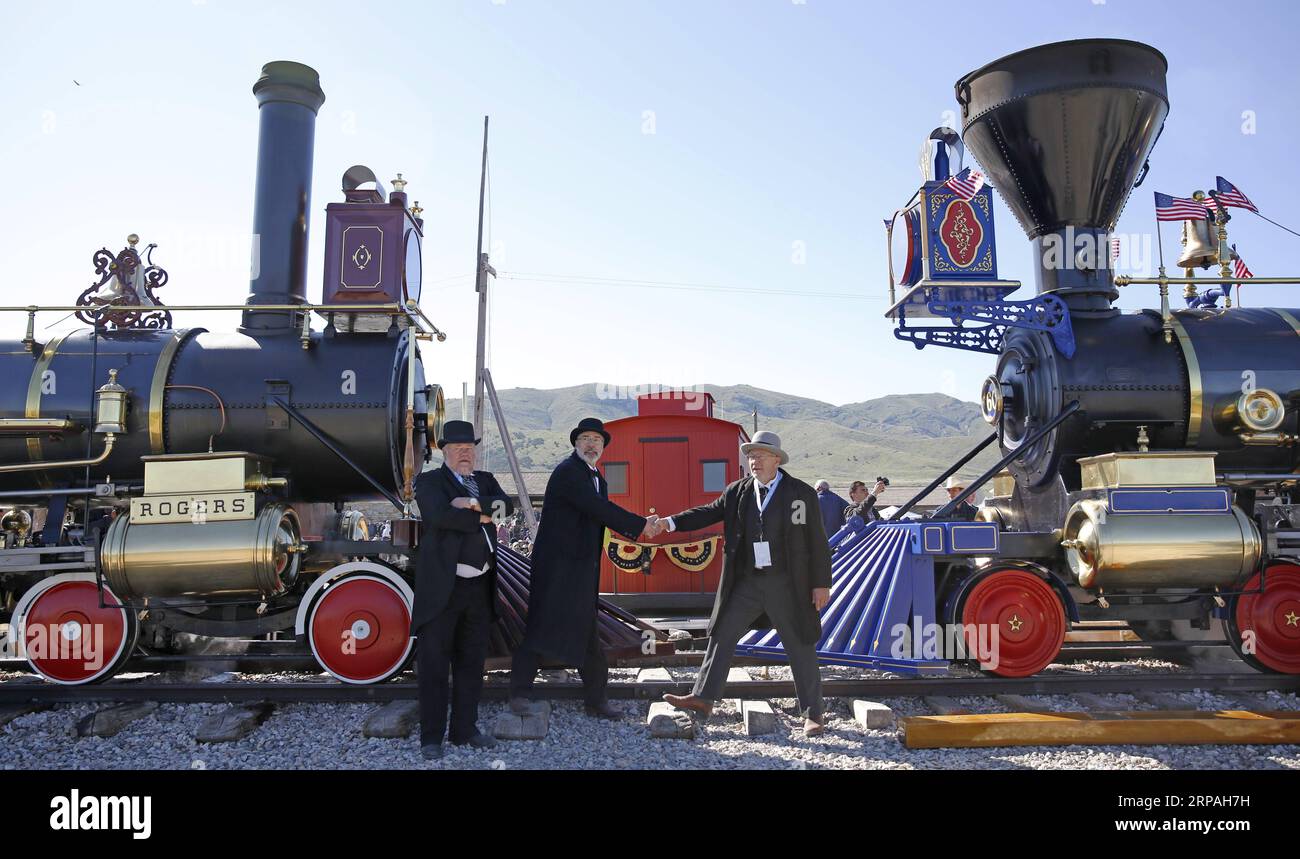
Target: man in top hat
[(776, 573), (455, 588), (566, 574), (965, 511)]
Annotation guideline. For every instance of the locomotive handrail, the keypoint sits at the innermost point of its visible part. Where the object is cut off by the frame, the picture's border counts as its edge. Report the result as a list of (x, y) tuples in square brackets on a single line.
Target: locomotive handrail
[(43, 465), (1125, 280), (409, 309)]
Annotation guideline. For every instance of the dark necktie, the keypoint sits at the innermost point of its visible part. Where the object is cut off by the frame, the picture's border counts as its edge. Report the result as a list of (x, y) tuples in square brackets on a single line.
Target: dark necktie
[(762, 494), (471, 484)]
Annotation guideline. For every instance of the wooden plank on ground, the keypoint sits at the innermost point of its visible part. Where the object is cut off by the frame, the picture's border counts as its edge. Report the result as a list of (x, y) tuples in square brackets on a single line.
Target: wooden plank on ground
[(1142, 727)]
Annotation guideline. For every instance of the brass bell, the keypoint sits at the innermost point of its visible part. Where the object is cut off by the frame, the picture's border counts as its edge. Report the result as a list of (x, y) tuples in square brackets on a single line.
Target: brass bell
[(1200, 244)]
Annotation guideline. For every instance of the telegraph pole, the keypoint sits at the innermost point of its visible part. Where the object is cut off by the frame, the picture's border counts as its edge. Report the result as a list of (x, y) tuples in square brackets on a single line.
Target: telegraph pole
[(481, 272)]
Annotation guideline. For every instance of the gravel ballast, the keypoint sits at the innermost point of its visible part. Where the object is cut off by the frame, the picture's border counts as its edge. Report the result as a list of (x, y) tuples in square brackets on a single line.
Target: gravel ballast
[(330, 736)]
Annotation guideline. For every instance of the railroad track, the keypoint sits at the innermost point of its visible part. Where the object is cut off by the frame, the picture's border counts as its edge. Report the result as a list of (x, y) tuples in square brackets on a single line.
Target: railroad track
[(125, 689), (264, 659)]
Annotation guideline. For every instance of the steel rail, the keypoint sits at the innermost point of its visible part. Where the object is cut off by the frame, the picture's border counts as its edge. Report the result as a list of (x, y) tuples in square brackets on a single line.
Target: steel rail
[(18, 693)]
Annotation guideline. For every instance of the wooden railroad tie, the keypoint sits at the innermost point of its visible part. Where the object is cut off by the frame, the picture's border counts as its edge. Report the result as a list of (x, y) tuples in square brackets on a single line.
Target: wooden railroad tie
[(1142, 727)]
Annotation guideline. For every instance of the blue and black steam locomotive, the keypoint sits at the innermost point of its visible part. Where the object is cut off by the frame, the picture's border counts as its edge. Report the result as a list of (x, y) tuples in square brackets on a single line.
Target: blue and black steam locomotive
[(160, 482), (1148, 466)]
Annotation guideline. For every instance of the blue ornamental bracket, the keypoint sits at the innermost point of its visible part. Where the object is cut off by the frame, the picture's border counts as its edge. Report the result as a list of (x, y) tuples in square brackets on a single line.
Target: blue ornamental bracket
[(1041, 313)]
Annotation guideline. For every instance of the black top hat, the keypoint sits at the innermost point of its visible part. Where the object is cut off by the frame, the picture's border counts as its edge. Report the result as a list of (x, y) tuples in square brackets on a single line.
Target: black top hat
[(588, 425), (457, 432)]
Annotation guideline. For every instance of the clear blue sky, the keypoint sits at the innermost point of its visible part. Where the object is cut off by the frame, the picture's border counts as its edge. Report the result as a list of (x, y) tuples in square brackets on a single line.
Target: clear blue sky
[(775, 122)]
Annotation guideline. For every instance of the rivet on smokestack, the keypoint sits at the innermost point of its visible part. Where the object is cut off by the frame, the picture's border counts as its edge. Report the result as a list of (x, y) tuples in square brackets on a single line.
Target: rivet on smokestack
[(288, 98)]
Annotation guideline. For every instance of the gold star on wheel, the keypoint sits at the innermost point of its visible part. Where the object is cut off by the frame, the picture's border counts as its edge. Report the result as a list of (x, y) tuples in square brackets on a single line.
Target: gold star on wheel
[(1015, 623), (1293, 619)]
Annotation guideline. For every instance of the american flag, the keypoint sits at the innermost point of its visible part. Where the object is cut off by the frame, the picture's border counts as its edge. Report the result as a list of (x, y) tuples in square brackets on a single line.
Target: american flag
[(965, 184), (1179, 208), (1239, 268), (1114, 249), (1230, 195)]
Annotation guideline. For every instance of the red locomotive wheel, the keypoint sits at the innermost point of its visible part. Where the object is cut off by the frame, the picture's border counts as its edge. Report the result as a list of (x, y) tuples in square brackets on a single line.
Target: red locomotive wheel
[(68, 637), (1273, 618), (360, 629), (1028, 616)]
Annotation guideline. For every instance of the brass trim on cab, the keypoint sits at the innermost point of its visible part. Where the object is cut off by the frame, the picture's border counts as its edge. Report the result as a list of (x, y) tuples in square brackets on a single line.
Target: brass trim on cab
[(159, 388), (1196, 391), (34, 452)]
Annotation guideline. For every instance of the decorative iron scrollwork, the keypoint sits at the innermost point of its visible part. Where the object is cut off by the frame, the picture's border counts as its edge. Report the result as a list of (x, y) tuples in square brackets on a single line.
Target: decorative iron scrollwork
[(128, 283), (1042, 313)]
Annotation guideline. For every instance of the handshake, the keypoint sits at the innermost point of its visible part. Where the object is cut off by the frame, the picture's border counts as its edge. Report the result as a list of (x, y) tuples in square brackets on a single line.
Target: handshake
[(654, 526)]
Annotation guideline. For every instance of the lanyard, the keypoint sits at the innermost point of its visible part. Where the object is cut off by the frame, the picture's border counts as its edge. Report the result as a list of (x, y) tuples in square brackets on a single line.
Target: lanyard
[(763, 501)]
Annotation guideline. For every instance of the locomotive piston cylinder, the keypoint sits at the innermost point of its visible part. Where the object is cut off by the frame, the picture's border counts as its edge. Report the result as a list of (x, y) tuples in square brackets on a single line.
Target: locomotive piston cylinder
[(249, 558), (1158, 550)]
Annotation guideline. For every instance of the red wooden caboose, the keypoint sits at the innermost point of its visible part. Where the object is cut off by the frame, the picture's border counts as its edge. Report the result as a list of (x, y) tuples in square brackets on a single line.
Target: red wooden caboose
[(672, 455)]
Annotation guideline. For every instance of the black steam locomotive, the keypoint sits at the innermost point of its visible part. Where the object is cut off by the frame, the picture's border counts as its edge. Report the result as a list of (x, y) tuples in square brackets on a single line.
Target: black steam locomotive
[(1149, 461), (160, 482)]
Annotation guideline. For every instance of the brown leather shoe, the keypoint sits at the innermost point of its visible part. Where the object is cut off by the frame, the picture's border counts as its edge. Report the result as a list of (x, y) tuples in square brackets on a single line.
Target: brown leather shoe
[(813, 728), (703, 706)]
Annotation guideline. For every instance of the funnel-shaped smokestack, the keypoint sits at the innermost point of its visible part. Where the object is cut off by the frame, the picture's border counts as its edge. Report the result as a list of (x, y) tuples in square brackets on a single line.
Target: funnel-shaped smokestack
[(1063, 132), (288, 96)]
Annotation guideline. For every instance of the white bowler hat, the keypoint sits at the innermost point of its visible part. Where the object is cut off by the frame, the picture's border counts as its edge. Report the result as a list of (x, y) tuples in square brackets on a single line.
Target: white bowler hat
[(768, 441)]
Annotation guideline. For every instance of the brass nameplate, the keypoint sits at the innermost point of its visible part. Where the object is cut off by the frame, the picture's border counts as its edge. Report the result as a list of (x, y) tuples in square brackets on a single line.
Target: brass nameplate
[(192, 509)]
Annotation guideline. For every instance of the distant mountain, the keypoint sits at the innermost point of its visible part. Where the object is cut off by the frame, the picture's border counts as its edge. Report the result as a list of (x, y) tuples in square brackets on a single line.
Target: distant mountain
[(909, 438)]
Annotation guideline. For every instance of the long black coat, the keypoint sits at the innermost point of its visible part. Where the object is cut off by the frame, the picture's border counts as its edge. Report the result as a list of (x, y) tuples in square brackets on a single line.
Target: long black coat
[(806, 555), (566, 560), (445, 527)]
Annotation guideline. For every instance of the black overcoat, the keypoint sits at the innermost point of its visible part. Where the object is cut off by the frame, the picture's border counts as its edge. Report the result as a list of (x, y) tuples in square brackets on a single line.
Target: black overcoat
[(566, 560), (806, 555), (444, 528)]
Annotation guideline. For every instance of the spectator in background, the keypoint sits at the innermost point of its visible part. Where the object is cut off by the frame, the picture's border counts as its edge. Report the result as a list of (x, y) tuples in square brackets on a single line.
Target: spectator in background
[(832, 508), (862, 501), (965, 511)]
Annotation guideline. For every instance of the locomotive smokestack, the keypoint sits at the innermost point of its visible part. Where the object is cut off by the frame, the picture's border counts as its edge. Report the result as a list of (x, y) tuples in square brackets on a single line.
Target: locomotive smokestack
[(1063, 132), (288, 97)]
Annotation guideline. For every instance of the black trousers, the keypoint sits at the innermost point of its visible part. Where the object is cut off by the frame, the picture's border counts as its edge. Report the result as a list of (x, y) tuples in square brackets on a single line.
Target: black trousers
[(752, 595), (594, 671), (455, 640)]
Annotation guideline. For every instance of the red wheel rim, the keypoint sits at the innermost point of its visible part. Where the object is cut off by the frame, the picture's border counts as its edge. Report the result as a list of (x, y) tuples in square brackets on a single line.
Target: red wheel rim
[(69, 638), (1028, 616), (360, 629), (1274, 618)]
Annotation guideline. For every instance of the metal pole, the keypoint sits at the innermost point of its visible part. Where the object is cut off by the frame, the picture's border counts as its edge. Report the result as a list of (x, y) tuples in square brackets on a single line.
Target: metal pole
[(524, 500), (1006, 460), (464, 401), (916, 499), (480, 284)]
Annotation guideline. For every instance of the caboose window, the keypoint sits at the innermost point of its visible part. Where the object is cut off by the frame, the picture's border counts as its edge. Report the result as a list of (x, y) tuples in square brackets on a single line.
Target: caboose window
[(715, 475), (616, 474)]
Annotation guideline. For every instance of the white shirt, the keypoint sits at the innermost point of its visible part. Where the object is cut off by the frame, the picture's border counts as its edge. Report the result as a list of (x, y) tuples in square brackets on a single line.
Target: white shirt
[(465, 571)]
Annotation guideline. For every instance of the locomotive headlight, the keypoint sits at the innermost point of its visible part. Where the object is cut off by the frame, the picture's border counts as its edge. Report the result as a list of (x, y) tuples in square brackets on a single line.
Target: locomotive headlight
[(1261, 410)]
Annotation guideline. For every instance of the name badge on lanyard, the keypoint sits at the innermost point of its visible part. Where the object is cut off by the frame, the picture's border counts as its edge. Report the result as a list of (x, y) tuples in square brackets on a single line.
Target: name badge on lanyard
[(763, 549)]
